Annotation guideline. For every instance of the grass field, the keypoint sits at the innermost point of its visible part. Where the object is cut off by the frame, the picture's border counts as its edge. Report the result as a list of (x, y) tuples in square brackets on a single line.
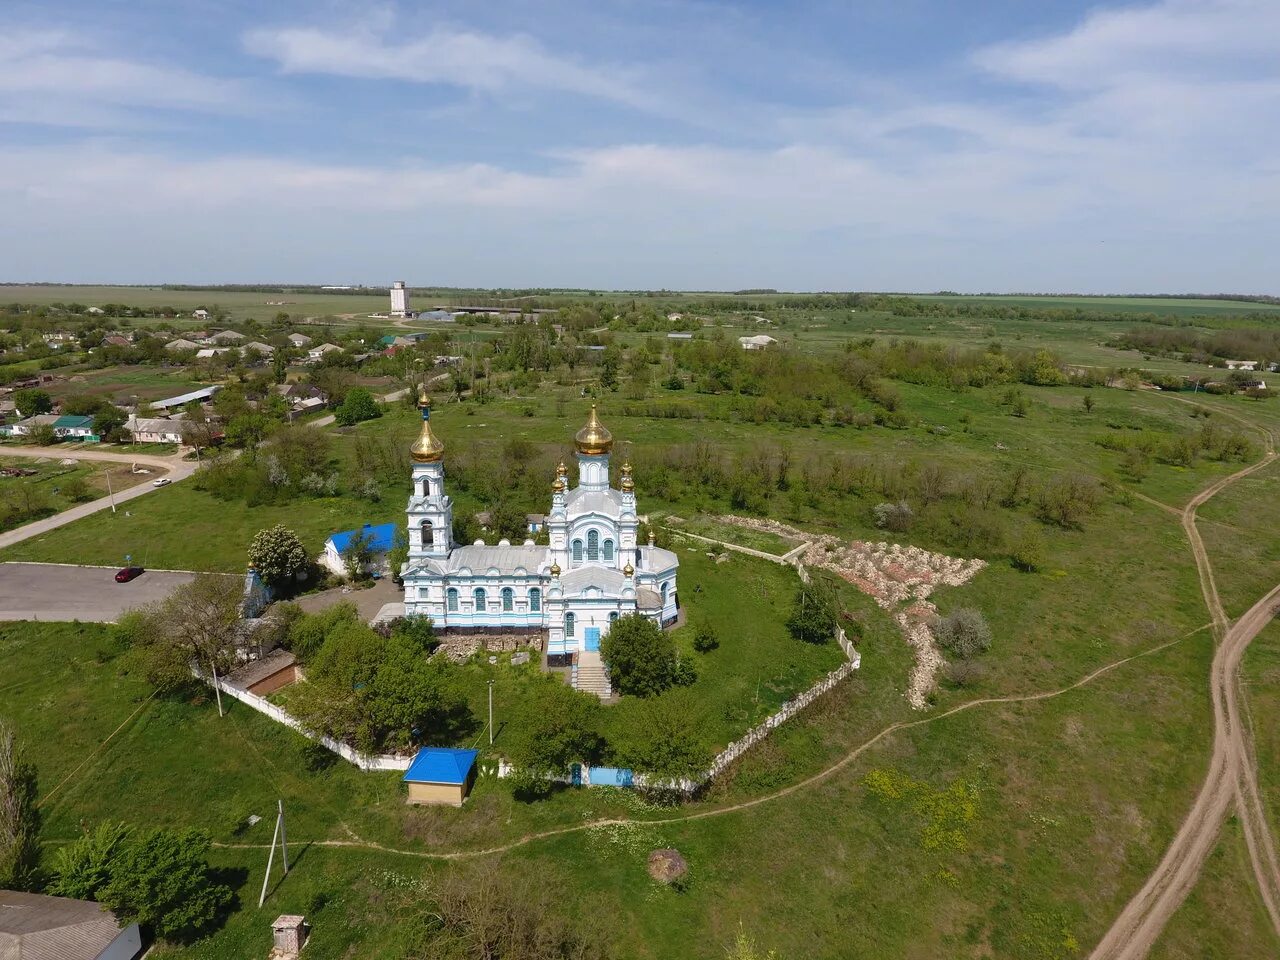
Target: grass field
[(1010, 830)]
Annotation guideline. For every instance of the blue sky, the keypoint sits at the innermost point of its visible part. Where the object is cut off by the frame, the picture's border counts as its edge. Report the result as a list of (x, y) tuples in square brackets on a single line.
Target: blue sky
[(880, 145)]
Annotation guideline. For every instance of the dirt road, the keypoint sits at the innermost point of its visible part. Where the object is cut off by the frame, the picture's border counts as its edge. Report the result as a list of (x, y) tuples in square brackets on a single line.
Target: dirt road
[(1232, 775), (174, 467)]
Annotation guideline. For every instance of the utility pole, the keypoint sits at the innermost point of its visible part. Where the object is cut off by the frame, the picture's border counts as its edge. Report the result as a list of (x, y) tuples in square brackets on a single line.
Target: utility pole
[(217, 691), (284, 851), (491, 713), (107, 470)]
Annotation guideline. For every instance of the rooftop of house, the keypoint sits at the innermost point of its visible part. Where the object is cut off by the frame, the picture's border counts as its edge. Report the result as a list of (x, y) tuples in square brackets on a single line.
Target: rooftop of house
[(441, 765), (382, 537), (246, 675), (36, 927)]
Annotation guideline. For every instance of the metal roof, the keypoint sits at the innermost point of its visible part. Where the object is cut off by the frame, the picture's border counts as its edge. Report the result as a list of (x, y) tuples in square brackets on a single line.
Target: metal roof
[(383, 537), (480, 559), (36, 927), (607, 502), (202, 394), (441, 765)]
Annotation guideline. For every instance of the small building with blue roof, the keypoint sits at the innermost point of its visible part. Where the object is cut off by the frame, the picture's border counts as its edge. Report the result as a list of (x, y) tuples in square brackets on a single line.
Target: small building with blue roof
[(441, 775), (381, 538)]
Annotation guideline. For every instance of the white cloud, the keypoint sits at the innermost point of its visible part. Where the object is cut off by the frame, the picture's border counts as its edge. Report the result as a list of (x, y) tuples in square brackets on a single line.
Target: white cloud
[(60, 78), (1187, 38), (461, 58)]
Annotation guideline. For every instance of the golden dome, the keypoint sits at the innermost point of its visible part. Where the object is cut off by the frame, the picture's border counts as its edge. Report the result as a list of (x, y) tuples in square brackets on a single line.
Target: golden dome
[(594, 438), (555, 569), (558, 485), (627, 483), (428, 448), (628, 570), (562, 470)]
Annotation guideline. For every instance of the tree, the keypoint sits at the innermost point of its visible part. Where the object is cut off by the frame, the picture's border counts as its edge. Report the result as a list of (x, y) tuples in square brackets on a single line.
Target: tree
[(1027, 550), (641, 657), (278, 555), (161, 879), (19, 817), (43, 435), (964, 632), (108, 418), (813, 612), (83, 867), (556, 730), (358, 405), (661, 738), (198, 623), (705, 639), (31, 402), (357, 554)]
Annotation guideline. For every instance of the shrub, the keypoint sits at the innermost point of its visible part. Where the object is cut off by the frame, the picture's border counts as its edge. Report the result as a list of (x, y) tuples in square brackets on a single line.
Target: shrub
[(705, 640), (1027, 550), (963, 632), (356, 406), (894, 516)]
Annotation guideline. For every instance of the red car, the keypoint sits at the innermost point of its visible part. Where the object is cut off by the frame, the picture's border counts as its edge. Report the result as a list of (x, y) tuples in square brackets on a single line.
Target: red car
[(127, 574)]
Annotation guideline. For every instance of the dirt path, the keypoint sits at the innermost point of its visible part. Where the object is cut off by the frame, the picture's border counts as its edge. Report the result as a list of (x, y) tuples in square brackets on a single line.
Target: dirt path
[(805, 784), (1232, 775)]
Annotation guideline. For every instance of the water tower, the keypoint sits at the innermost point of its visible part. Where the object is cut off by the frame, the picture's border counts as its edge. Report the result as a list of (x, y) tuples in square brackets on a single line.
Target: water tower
[(399, 299)]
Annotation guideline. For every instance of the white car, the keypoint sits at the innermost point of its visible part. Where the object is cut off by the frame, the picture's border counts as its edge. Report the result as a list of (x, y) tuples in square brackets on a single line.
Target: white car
[(162, 482)]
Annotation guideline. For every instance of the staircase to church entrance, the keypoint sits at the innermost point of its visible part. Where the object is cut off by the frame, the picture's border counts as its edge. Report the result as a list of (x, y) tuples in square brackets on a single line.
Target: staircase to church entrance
[(589, 674)]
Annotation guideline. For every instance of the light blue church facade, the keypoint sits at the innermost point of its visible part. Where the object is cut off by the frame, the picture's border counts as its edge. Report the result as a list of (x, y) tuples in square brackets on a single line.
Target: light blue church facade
[(592, 571)]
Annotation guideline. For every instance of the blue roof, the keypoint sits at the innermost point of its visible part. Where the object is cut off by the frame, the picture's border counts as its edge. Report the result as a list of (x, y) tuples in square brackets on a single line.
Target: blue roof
[(440, 765), (70, 420), (383, 537)]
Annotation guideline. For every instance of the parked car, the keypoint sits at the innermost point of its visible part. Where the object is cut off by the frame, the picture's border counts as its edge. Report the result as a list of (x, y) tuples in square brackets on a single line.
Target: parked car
[(127, 574), (162, 482)]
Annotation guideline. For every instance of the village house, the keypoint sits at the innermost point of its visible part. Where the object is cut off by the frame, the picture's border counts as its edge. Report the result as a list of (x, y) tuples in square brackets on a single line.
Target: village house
[(760, 341), (200, 314), (181, 344), (227, 337), (265, 349), (381, 539), (300, 340), (37, 927), (154, 430)]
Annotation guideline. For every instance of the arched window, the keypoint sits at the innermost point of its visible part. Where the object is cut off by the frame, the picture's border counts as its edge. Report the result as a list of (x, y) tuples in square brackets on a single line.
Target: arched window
[(664, 593), (593, 545), (479, 595), (568, 625), (508, 599), (535, 600), (608, 549), (428, 534), (613, 618), (426, 486), (577, 551), (453, 599)]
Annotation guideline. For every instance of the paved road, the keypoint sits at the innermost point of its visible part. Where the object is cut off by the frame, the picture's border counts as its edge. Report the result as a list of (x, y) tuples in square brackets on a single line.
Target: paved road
[(173, 466), (46, 591)]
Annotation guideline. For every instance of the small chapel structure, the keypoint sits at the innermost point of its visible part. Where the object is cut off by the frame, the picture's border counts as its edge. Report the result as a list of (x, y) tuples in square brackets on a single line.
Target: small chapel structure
[(592, 572)]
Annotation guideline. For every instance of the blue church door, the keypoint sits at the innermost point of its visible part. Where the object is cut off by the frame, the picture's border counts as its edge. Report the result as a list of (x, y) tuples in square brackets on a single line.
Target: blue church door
[(592, 635)]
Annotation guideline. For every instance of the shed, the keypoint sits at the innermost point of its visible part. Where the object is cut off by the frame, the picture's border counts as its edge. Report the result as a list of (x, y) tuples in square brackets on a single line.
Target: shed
[(277, 669), (441, 775)]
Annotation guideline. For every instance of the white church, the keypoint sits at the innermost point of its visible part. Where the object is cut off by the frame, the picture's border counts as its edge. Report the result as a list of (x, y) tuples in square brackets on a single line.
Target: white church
[(592, 572)]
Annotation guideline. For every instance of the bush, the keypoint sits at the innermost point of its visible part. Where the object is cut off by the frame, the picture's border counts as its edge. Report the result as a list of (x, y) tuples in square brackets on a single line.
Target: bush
[(705, 640), (964, 632), (1027, 551), (894, 516)]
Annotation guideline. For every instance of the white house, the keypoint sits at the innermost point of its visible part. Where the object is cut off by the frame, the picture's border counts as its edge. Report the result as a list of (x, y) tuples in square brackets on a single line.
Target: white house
[(381, 539), (317, 353), (265, 349), (154, 430), (201, 314), (758, 342), (1242, 364), (206, 353), (592, 572), (300, 339)]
